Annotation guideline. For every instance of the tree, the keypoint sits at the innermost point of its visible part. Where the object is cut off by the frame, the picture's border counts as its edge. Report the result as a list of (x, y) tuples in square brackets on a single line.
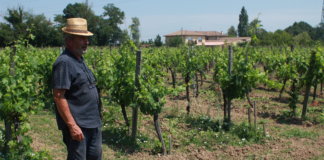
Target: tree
[(6, 34), (43, 30), (254, 29), (298, 28), (303, 39), (231, 32), (318, 33), (265, 38), (16, 18), (158, 41), (124, 36), (25, 25), (174, 41), (115, 15), (80, 10), (109, 32), (243, 23), (135, 32), (281, 38)]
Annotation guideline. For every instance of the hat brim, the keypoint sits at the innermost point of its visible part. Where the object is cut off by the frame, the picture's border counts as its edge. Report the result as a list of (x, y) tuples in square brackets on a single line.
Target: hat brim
[(83, 33)]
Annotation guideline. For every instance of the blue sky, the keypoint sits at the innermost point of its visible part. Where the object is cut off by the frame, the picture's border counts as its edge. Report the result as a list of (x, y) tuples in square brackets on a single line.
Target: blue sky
[(166, 16)]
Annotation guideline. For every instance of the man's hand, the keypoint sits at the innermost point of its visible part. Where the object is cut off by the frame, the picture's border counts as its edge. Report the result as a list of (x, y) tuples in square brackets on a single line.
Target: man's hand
[(76, 132), (64, 110)]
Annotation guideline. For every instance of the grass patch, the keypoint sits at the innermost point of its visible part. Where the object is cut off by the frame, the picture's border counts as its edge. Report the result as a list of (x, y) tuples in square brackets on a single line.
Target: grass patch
[(205, 132), (316, 114), (118, 139), (298, 133), (46, 135)]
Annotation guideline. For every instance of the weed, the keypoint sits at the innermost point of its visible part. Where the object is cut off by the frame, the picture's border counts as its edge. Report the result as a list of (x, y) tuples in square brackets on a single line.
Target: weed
[(203, 123), (248, 133)]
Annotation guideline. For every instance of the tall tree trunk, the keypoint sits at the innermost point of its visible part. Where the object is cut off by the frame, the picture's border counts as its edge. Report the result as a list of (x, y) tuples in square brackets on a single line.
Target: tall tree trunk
[(283, 88), (158, 132)]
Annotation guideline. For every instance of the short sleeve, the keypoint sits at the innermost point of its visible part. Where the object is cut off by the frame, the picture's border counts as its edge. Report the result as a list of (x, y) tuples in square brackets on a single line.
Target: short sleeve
[(61, 76)]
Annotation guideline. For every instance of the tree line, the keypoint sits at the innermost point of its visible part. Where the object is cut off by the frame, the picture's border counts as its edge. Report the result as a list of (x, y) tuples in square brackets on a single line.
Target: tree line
[(42, 32), (21, 24), (299, 33)]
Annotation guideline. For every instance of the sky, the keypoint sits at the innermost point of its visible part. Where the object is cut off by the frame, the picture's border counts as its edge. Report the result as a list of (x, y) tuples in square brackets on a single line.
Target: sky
[(166, 16)]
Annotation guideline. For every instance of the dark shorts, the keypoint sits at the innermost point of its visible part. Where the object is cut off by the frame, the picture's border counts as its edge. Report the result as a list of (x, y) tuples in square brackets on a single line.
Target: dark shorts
[(87, 149)]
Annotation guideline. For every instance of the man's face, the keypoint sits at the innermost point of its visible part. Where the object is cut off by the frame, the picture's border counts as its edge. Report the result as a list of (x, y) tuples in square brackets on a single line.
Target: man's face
[(79, 44)]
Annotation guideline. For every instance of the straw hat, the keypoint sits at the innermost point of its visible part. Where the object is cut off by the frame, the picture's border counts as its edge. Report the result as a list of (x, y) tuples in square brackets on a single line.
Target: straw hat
[(77, 26)]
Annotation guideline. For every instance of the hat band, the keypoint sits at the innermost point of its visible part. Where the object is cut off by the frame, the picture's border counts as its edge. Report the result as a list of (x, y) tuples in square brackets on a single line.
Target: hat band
[(76, 31)]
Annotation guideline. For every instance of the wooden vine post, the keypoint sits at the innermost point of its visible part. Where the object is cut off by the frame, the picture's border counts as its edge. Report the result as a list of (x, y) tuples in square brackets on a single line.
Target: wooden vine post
[(249, 117), (7, 122), (137, 86), (309, 80), (187, 80), (230, 65), (255, 115)]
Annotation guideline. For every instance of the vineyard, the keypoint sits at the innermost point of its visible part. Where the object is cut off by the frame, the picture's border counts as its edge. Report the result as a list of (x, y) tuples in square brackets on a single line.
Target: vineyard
[(187, 102)]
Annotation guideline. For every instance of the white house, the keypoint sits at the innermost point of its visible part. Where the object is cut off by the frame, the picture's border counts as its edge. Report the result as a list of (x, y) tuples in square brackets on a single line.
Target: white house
[(206, 38)]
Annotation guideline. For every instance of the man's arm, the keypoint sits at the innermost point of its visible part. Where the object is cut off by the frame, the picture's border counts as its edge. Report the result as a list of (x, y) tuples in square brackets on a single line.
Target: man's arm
[(64, 111)]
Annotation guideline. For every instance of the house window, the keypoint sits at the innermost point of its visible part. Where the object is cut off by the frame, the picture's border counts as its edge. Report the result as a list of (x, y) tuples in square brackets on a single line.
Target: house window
[(199, 39)]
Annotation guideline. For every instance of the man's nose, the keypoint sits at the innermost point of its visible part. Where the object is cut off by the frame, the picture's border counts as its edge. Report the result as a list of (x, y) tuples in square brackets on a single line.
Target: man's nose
[(86, 41)]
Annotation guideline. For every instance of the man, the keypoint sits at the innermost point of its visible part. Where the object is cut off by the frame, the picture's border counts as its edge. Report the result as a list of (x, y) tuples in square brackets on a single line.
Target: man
[(76, 97)]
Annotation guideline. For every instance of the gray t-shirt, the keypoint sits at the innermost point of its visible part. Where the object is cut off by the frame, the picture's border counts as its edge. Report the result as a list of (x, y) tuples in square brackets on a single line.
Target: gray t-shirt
[(82, 95)]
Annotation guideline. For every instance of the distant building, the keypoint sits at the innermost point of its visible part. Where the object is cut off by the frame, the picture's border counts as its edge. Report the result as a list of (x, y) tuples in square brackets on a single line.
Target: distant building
[(206, 38)]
